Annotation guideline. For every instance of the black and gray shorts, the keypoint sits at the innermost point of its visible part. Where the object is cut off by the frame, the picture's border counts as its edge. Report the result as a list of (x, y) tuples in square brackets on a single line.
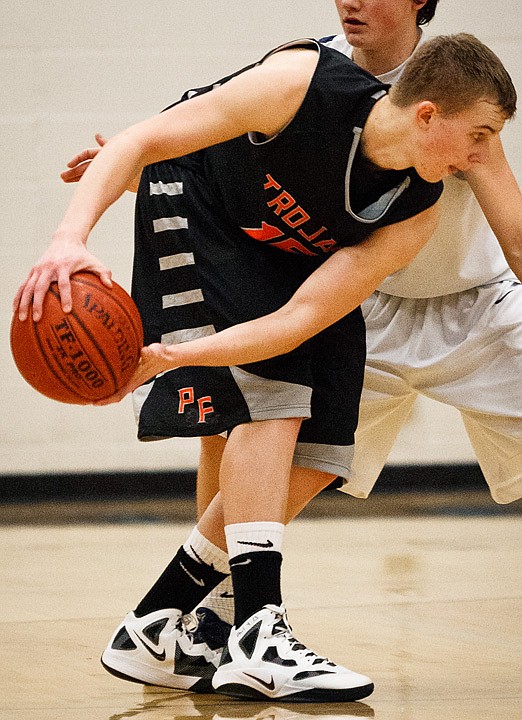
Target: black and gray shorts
[(195, 274)]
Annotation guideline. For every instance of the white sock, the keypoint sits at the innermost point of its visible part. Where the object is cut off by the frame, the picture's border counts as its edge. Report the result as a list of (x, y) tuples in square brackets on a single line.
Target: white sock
[(201, 549), (254, 537)]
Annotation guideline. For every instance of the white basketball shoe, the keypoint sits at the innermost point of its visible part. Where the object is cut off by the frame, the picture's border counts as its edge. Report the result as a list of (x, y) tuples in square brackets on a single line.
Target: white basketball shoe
[(263, 660), (297, 711), (160, 649)]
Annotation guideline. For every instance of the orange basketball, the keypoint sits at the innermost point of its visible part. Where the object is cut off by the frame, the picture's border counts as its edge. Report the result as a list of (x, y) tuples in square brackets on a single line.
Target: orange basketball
[(85, 355)]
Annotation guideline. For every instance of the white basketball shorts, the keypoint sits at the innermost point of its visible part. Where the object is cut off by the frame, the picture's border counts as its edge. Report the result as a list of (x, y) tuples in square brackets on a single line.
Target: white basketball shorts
[(463, 350)]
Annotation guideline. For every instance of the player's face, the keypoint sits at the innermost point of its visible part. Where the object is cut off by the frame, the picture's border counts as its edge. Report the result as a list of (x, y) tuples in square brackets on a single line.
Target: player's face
[(377, 24), (455, 142)]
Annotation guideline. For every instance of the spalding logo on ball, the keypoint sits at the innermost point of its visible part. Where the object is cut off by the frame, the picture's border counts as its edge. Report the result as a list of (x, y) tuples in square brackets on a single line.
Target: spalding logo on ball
[(85, 355)]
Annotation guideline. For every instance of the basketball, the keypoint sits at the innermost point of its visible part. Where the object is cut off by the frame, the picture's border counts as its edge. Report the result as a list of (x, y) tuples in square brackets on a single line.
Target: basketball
[(85, 355)]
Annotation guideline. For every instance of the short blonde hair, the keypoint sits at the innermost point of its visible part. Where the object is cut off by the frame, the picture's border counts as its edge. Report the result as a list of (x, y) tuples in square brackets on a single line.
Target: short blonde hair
[(454, 72)]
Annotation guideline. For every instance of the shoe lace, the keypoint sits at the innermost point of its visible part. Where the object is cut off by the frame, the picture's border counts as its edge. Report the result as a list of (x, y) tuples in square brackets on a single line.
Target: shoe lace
[(187, 625), (283, 630)]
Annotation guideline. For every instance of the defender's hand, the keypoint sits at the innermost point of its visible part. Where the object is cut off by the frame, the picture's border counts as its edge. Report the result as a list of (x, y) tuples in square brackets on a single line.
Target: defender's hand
[(80, 162)]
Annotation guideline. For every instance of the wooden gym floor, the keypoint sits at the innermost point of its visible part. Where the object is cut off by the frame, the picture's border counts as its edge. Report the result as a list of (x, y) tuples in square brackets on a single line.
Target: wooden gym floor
[(428, 605)]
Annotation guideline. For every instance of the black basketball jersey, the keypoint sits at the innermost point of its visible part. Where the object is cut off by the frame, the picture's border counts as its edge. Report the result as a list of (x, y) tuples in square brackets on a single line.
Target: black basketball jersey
[(310, 190), (210, 230)]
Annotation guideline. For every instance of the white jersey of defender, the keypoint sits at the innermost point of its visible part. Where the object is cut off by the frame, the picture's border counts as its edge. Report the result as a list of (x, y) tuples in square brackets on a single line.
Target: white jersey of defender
[(447, 327), (463, 252)]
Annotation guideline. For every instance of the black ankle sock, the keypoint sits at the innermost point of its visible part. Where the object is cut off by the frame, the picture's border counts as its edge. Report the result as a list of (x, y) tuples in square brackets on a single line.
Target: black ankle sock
[(182, 585), (256, 578)]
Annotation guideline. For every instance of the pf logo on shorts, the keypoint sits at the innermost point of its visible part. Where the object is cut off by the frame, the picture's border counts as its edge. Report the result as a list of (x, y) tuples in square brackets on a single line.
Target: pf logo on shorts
[(187, 399)]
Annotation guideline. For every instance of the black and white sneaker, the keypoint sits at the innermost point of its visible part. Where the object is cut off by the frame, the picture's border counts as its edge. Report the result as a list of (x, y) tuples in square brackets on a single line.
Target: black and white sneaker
[(160, 649), (263, 660), (297, 711)]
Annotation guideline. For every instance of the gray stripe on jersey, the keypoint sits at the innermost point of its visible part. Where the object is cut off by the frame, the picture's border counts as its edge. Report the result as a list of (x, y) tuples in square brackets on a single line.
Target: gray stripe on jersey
[(267, 398), (182, 298), (169, 223), (161, 188), (169, 262), (179, 336), (138, 398), (334, 459)]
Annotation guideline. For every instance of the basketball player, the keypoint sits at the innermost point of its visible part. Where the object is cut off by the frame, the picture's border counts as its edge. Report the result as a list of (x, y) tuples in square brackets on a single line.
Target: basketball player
[(293, 140), (460, 280)]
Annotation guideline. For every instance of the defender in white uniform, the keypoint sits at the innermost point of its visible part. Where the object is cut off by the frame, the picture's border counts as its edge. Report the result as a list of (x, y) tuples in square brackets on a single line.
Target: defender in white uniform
[(449, 326)]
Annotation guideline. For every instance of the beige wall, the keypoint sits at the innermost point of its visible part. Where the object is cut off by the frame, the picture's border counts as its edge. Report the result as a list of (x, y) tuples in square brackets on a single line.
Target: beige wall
[(72, 68)]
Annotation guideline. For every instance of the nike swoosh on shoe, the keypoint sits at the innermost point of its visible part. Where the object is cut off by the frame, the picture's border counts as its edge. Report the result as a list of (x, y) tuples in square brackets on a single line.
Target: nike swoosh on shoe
[(159, 656), (269, 685)]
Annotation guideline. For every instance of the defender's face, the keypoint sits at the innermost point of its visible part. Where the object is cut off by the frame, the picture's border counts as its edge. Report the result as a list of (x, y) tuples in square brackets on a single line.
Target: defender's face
[(453, 143), (376, 24)]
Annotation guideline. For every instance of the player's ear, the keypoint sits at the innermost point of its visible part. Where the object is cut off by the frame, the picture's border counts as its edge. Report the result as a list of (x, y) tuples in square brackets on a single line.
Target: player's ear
[(426, 111)]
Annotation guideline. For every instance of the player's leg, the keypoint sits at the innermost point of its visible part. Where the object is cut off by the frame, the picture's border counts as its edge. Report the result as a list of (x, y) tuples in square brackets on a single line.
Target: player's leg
[(153, 644), (284, 492), (262, 659), (255, 508), (216, 611), (387, 398), (215, 614), (187, 660), (488, 392), (207, 481), (129, 653), (305, 483), (257, 583), (497, 442)]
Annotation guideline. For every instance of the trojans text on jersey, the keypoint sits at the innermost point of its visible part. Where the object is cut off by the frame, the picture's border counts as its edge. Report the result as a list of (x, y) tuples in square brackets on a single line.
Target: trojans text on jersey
[(297, 221)]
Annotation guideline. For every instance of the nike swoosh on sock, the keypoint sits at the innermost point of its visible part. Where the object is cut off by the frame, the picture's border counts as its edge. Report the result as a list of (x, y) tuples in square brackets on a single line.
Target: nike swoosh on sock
[(267, 544), (198, 581), (242, 562)]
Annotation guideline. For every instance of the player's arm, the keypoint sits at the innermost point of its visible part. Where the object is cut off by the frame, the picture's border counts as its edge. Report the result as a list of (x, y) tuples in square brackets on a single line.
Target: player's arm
[(262, 99), (498, 193), (336, 288)]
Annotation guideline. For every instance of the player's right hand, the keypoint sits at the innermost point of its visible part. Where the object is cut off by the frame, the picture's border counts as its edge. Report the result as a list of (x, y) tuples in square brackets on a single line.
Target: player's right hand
[(80, 162), (57, 264)]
